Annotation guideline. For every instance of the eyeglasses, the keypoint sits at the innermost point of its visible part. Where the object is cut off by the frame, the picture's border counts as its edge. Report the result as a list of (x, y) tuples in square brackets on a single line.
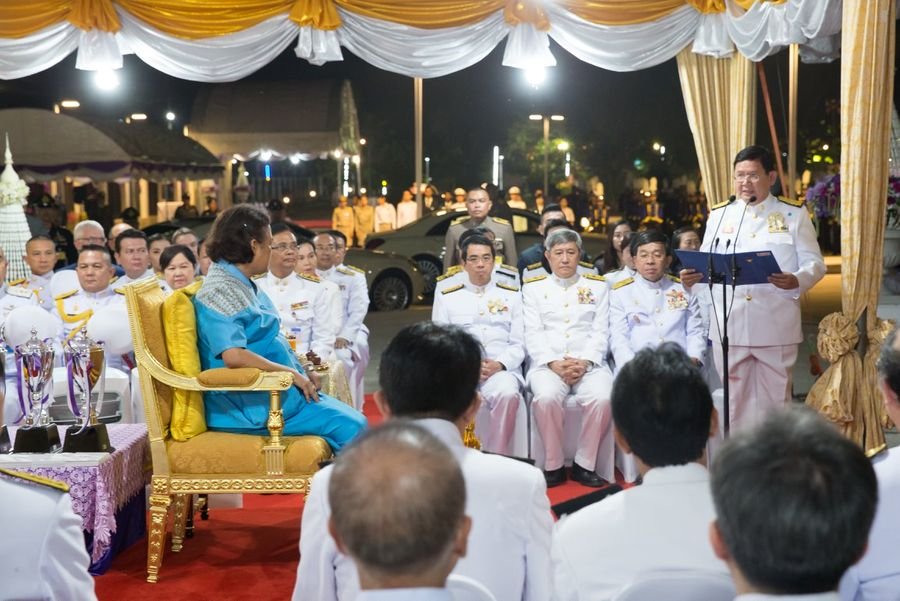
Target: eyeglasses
[(92, 239), (751, 177), (284, 247)]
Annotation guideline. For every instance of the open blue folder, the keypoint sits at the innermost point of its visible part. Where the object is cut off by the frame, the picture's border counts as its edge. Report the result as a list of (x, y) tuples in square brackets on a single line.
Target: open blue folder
[(753, 267)]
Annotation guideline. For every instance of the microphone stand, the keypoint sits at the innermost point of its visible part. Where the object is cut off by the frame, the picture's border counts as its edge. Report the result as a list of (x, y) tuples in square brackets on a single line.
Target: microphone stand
[(726, 308)]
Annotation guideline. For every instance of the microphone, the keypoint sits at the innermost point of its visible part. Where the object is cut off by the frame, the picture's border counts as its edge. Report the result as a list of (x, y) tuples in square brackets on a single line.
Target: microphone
[(709, 268), (734, 268)]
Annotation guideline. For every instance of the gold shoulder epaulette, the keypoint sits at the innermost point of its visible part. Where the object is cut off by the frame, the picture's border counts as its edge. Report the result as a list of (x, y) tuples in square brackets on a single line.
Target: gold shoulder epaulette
[(444, 276), (507, 267), (594, 276), (623, 283), (500, 220), (356, 269), (115, 277), (310, 277), (536, 278), (49, 482), (454, 269), (719, 205), (452, 289), (20, 291), (586, 264), (534, 266), (345, 271), (120, 290), (509, 287), (18, 282), (459, 220), (65, 294), (674, 278), (258, 276), (791, 201)]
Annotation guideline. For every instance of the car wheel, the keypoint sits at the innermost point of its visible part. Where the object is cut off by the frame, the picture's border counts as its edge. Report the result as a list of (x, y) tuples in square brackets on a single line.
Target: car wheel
[(390, 293), (430, 269)]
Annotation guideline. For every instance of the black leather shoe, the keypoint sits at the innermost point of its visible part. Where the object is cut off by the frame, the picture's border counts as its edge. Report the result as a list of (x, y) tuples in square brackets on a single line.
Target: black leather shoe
[(587, 477), (555, 477)]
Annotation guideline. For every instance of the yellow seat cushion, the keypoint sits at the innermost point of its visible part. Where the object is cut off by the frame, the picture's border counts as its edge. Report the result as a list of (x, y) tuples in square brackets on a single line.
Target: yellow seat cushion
[(180, 324), (224, 377), (227, 453)]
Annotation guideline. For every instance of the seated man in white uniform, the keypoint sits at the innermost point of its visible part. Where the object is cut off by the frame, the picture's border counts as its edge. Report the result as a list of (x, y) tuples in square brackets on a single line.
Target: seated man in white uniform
[(76, 307), (13, 295), (652, 307), (794, 503), (877, 576), (664, 414), (566, 339), (45, 556), (40, 256), (430, 373), (302, 301), (457, 275), (132, 255), (352, 341), (491, 311), (404, 529)]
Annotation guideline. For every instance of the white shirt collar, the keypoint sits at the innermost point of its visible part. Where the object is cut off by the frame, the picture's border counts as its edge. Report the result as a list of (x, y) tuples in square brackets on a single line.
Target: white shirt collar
[(470, 286), (406, 594), (689, 472), (566, 282)]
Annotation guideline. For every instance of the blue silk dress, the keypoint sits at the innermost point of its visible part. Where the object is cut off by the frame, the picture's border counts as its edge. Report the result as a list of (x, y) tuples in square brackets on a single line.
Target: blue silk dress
[(232, 313)]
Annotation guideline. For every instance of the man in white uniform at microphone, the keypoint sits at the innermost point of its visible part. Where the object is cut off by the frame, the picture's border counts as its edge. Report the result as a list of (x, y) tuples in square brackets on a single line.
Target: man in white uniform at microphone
[(764, 326)]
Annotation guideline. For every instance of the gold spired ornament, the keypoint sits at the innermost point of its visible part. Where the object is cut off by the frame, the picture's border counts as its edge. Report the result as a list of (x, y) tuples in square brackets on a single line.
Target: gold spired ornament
[(469, 439)]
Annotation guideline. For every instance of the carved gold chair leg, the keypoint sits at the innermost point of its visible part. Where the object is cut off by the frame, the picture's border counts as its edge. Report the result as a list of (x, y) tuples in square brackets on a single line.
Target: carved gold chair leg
[(180, 513), (156, 540)]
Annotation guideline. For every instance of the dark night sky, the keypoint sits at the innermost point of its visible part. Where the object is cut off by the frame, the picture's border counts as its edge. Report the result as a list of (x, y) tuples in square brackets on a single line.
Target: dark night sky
[(466, 113)]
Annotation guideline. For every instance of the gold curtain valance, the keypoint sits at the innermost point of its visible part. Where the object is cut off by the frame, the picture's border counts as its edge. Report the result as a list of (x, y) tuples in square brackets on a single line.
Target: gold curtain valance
[(195, 19), (94, 14), (746, 4)]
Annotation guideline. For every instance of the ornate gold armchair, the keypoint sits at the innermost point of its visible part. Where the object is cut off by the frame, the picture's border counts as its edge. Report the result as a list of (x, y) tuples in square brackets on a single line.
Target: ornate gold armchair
[(210, 462)]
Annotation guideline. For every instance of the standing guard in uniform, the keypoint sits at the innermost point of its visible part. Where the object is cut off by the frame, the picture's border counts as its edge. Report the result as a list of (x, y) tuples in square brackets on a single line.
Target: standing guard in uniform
[(567, 338), (352, 341), (301, 299), (652, 307), (491, 311), (343, 218), (478, 204), (764, 326)]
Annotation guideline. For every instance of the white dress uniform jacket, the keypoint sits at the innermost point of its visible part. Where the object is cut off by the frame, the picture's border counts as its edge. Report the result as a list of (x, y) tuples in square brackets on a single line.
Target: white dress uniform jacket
[(570, 318), (40, 285), (646, 314), (810, 597), (12, 296), (456, 275), (126, 279), (661, 524), (509, 544), (406, 594), (492, 314), (76, 307), (763, 315), (877, 575), (304, 305), (45, 556)]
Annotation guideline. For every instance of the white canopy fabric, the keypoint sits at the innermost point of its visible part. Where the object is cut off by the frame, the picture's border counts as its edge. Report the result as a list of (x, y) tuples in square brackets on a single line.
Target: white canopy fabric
[(757, 32)]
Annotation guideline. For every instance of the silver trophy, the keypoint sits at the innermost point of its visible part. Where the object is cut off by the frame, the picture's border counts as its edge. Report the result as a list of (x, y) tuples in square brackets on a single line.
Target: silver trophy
[(85, 371), (34, 361)]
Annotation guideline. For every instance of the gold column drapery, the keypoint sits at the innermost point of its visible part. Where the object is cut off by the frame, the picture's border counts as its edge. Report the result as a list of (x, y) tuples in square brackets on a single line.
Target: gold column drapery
[(720, 100), (847, 393)]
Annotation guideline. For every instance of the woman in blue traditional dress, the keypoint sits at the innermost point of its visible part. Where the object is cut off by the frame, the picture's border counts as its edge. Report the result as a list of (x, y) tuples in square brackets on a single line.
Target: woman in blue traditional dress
[(238, 326)]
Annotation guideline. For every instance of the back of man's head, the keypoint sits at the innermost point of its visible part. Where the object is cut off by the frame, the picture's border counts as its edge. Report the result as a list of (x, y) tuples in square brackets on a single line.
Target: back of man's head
[(398, 499), (430, 370), (794, 503), (662, 407)]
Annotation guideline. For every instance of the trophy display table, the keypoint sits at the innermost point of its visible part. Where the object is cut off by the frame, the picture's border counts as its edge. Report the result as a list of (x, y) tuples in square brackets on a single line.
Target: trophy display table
[(107, 489)]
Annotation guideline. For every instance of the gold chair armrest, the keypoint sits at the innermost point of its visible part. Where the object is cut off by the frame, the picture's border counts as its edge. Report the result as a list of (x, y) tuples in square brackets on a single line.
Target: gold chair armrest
[(238, 377)]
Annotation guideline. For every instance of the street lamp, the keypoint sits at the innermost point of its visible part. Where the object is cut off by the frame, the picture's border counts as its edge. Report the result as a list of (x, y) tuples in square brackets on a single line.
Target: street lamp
[(546, 119)]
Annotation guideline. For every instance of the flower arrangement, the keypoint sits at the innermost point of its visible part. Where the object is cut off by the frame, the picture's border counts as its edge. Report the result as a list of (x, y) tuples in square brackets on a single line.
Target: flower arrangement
[(825, 199)]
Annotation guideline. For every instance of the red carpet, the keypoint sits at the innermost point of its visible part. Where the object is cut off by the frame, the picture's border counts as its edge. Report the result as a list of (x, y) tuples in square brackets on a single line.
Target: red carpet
[(248, 553)]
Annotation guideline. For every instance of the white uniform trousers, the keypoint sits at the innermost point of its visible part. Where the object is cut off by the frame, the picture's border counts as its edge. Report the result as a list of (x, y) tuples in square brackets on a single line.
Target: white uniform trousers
[(596, 445), (356, 360), (501, 394), (759, 379)]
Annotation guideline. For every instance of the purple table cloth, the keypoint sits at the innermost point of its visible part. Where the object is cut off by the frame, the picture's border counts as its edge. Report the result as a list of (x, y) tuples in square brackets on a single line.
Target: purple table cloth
[(100, 484)]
